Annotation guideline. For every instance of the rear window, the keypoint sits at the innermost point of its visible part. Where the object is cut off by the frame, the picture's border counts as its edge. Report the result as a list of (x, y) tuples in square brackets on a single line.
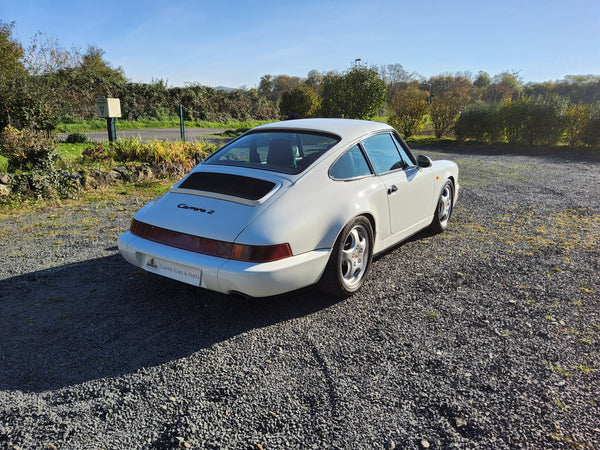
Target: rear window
[(279, 151)]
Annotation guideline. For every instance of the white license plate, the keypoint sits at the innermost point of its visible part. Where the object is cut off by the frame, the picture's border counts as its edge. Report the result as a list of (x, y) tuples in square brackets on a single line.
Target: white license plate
[(173, 270)]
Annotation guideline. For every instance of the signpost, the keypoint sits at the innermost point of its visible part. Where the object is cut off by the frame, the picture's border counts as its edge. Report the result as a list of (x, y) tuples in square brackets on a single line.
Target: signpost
[(181, 126), (110, 108)]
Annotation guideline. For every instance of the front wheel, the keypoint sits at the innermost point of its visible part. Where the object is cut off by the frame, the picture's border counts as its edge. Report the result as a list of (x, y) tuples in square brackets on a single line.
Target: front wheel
[(444, 208), (350, 259)]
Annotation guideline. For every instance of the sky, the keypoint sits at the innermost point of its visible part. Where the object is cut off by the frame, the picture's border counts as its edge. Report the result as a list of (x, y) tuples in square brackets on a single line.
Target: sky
[(235, 43)]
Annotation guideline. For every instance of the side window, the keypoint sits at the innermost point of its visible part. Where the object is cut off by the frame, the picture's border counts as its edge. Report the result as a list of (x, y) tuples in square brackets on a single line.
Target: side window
[(352, 164), (405, 155), (383, 153)]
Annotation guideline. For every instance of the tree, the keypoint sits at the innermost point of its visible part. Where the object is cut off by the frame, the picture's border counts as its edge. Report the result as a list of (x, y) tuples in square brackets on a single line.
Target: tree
[(93, 62), (11, 52), (300, 101), (483, 80), (12, 72), (313, 80), (46, 55), (504, 86), (409, 108), (395, 77), (272, 87), (359, 93), (443, 112), (449, 93)]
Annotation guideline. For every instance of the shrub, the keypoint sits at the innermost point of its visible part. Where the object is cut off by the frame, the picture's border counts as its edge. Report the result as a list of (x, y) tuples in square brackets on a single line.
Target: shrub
[(514, 115), (301, 101), (443, 112), (409, 108), (535, 120), (172, 154), (481, 122), (576, 118), (590, 134), (76, 138), (27, 150), (545, 122), (95, 153)]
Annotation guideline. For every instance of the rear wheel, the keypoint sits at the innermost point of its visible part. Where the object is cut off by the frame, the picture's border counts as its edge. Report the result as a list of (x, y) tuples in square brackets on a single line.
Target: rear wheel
[(444, 208), (350, 260)]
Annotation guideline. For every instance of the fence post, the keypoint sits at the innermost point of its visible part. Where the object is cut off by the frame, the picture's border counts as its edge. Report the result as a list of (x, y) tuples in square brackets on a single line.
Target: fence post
[(181, 126)]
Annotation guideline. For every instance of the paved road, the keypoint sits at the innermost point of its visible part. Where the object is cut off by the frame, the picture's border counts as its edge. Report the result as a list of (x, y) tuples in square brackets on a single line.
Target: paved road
[(169, 134)]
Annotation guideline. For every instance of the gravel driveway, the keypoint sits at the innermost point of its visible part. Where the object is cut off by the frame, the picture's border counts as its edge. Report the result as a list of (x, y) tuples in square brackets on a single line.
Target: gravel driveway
[(487, 335)]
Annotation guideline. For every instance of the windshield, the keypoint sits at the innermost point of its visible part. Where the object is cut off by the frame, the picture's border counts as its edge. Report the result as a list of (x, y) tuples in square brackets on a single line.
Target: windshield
[(288, 152)]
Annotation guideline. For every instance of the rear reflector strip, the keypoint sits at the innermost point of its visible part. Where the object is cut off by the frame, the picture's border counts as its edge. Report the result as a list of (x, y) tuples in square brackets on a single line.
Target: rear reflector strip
[(211, 247)]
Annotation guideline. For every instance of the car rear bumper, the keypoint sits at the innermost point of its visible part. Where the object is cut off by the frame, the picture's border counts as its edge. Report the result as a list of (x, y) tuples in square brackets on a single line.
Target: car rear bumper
[(225, 275)]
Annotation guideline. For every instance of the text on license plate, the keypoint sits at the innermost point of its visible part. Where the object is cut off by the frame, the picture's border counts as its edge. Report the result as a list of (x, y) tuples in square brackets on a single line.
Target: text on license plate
[(173, 270)]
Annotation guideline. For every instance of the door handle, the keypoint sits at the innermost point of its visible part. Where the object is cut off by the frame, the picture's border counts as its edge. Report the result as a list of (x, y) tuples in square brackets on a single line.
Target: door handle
[(392, 189)]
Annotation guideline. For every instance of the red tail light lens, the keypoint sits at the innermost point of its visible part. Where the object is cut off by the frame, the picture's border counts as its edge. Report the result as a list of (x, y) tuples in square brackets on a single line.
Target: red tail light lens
[(260, 253), (211, 247)]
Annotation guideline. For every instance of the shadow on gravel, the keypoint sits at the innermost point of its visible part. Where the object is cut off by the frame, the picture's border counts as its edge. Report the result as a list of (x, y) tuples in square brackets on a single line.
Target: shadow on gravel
[(104, 318)]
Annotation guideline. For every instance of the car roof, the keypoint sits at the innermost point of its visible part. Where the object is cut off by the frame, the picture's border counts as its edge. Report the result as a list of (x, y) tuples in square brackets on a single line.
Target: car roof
[(345, 128)]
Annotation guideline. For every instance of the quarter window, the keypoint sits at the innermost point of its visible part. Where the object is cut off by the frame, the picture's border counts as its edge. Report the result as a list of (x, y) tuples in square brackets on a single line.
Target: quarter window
[(352, 164)]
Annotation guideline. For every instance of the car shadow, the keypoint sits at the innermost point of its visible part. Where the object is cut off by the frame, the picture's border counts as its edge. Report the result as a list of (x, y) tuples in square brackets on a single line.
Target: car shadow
[(104, 318)]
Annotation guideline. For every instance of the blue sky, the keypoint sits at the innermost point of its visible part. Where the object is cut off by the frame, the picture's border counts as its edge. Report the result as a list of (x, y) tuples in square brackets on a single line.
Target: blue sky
[(234, 43)]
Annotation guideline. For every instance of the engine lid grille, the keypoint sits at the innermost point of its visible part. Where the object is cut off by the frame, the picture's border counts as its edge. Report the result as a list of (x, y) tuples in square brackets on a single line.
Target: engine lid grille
[(238, 186)]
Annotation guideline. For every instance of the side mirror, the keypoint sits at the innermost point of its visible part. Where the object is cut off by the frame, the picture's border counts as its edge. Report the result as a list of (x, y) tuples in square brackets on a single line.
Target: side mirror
[(424, 161)]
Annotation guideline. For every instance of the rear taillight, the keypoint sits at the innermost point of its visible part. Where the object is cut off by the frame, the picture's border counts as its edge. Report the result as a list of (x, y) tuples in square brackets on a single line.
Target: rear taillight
[(260, 253), (211, 247)]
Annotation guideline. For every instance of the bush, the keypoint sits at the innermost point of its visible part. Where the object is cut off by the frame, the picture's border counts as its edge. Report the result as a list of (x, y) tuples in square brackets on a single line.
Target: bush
[(409, 108), (95, 153), (590, 133), (576, 119), (514, 115), (76, 138), (481, 122), (535, 120), (180, 154), (443, 112), (27, 150), (545, 122), (301, 101)]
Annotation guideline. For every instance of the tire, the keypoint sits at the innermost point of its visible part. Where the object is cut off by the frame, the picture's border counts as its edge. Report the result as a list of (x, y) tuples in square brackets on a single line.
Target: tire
[(350, 259), (443, 211)]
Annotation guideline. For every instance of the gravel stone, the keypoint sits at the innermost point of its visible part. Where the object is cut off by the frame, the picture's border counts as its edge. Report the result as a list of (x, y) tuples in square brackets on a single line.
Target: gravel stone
[(484, 336)]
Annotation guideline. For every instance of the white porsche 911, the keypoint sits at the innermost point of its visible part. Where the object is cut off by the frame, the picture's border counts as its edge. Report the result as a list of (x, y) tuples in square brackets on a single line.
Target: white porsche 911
[(292, 204)]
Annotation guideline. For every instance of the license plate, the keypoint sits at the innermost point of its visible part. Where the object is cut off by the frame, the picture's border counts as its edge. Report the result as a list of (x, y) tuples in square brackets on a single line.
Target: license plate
[(173, 270)]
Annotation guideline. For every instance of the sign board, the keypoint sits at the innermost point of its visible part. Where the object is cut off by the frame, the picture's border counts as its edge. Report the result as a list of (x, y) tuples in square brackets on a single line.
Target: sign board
[(108, 107)]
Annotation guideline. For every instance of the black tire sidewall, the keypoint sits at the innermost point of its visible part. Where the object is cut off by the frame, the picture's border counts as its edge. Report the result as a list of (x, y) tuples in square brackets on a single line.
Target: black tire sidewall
[(332, 281), (436, 224)]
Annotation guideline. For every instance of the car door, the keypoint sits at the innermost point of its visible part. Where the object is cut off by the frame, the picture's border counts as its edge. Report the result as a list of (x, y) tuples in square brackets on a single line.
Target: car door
[(409, 187)]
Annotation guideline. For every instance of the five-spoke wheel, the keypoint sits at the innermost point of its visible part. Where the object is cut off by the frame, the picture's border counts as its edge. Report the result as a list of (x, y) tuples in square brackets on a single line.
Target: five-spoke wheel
[(444, 208), (350, 260)]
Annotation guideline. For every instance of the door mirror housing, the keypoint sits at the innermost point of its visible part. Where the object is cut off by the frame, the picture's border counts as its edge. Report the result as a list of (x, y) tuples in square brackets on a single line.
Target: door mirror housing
[(424, 161)]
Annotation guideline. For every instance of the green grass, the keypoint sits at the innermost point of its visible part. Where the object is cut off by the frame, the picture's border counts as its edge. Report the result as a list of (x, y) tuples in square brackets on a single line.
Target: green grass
[(171, 122), (70, 152)]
